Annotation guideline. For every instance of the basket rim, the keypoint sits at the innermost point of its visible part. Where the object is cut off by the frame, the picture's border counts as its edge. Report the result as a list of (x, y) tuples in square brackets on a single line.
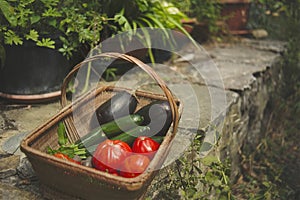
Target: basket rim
[(130, 184)]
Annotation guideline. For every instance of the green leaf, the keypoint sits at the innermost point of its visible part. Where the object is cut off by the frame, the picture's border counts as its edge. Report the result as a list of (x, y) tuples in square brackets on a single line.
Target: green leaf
[(179, 26), (190, 192), (111, 72), (61, 132), (46, 42), (25, 3), (134, 27), (217, 183), (50, 151), (159, 24), (206, 147), (122, 21), (52, 22), (66, 50), (266, 184), (149, 24), (208, 160), (8, 12), (11, 37), (211, 178), (49, 3), (33, 35), (34, 19), (147, 39), (51, 12)]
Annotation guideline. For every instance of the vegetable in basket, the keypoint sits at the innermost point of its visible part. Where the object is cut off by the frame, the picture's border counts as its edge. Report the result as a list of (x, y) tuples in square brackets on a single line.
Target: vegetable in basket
[(126, 137), (158, 116), (65, 157), (121, 104), (117, 157), (110, 146), (146, 146), (110, 154), (132, 134), (68, 150), (109, 130), (134, 165)]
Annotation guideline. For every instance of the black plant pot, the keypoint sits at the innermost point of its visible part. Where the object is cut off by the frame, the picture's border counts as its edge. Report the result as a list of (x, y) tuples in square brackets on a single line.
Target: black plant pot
[(32, 70)]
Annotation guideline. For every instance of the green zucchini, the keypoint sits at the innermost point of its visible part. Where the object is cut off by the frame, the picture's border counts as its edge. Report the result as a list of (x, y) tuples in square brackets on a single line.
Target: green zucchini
[(109, 130), (123, 124), (132, 134), (96, 136)]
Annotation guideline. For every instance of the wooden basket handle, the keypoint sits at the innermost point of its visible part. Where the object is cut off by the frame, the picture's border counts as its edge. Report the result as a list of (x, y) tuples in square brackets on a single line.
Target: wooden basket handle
[(131, 59)]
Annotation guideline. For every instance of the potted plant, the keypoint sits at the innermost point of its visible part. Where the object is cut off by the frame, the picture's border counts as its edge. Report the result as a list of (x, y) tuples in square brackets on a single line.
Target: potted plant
[(136, 17), (236, 13), (37, 35), (130, 15), (204, 17), (75, 24)]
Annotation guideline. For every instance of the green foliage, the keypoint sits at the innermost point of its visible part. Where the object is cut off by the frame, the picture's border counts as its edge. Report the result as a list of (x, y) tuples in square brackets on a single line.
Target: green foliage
[(47, 21), (65, 147), (205, 11), (292, 57), (130, 15), (282, 21), (198, 178), (262, 172), (78, 23), (46, 42), (110, 73), (268, 15)]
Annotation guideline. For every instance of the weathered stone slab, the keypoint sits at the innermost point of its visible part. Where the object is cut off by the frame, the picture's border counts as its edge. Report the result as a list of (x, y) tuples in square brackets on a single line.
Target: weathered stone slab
[(12, 144), (8, 166), (8, 192), (28, 118), (25, 170), (2, 123)]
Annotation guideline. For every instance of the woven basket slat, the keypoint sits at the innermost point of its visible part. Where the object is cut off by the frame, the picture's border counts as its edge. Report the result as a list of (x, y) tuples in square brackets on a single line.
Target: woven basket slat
[(81, 181)]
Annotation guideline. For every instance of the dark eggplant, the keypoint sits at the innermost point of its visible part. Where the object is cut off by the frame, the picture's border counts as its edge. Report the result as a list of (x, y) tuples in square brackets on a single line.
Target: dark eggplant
[(158, 116), (121, 104)]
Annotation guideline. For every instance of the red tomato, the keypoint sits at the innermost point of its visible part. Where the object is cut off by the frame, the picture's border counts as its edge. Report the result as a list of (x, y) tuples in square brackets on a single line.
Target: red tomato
[(65, 157), (134, 165), (110, 154), (146, 145)]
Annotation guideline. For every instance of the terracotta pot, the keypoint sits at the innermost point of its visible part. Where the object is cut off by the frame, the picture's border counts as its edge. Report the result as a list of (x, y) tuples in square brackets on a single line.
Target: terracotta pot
[(236, 12)]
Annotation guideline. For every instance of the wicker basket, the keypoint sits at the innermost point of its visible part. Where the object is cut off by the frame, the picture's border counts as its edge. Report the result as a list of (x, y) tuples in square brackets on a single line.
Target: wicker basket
[(89, 183)]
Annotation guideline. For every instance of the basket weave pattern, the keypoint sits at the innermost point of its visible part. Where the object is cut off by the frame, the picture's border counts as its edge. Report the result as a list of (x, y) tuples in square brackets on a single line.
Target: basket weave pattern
[(81, 181)]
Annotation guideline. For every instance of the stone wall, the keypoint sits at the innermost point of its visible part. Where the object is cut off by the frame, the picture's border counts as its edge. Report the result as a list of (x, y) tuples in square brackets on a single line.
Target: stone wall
[(246, 120)]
